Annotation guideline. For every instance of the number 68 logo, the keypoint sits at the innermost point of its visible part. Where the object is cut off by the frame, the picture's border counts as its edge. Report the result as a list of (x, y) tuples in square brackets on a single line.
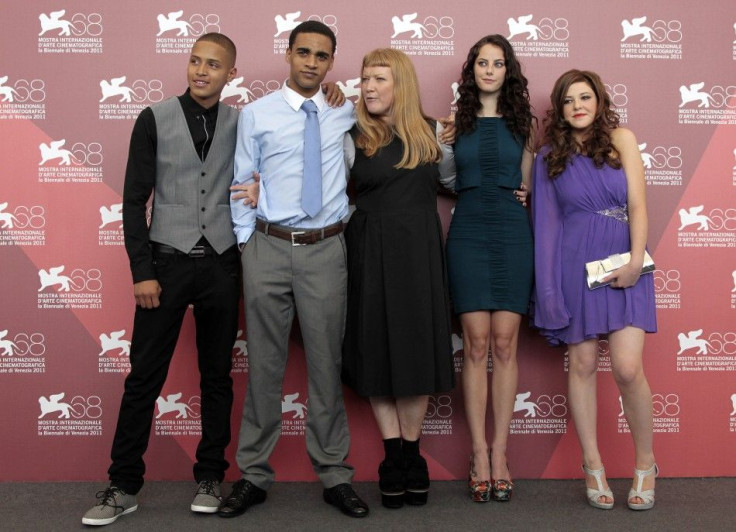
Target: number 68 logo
[(86, 407), (665, 405), (439, 407)]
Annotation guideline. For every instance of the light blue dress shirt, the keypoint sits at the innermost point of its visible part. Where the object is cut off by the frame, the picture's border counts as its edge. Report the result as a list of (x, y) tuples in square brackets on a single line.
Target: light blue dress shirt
[(271, 142)]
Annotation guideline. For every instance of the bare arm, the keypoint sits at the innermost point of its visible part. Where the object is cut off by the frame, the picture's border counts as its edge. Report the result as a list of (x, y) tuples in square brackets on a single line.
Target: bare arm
[(625, 144), (527, 160)]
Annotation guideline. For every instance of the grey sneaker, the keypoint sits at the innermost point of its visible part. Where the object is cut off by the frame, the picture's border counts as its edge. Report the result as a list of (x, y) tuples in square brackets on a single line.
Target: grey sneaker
[(113, 502), (207, 499)]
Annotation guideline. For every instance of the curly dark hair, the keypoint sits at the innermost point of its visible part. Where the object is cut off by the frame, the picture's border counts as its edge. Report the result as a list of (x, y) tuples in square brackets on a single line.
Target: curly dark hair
[(513, 101), (558, 133)]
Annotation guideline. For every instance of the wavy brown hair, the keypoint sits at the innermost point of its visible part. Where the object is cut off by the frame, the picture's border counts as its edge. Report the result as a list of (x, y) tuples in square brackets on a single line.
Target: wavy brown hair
[(558, 133), (409, 121), (513, 101)]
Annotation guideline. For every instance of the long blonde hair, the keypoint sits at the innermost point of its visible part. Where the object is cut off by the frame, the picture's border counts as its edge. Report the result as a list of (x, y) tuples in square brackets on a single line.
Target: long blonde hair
[(409, 121)]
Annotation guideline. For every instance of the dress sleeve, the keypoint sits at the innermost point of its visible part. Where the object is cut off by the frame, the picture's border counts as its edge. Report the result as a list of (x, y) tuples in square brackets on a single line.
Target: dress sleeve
[(447, 164), (550, 311), (348, 150)]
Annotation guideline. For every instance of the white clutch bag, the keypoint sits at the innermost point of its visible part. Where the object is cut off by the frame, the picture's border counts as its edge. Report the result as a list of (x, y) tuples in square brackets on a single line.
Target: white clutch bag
[(598, 269)]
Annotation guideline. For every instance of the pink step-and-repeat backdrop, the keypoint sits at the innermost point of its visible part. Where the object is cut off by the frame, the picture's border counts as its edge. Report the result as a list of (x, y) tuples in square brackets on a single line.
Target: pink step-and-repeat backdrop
[(74, 75)]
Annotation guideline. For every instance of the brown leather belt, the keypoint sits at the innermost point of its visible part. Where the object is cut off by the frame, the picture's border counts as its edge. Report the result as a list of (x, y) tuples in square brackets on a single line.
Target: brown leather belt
[(298, 237)]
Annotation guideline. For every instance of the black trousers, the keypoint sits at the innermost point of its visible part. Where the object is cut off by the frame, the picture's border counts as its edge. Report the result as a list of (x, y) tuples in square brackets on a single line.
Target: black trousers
[(211, 285)]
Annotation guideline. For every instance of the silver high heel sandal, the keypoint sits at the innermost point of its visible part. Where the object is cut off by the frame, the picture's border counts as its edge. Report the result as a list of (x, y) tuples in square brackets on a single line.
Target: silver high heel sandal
[(595, 494), (648, 495)]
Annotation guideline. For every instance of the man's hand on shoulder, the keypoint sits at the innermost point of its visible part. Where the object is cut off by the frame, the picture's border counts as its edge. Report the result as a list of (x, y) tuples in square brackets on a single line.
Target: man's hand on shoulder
[(147, 293), (333, 94)]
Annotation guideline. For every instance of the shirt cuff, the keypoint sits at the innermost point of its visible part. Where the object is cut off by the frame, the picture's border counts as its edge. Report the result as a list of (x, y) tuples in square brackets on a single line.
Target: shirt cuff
[(243, 235)]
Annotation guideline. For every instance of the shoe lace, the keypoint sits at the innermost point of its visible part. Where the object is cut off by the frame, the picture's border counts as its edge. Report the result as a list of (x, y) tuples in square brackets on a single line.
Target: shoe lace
[(345, 491), (107, 497), (240, 489), (207, 487)]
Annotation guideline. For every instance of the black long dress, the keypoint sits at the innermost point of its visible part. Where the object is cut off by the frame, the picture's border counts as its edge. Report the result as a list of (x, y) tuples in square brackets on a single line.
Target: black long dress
[(397, 337)]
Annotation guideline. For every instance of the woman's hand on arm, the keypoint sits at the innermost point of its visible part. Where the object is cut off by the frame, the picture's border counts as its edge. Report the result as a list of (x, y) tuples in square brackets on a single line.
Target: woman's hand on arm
[(527, 161), (448, 131), (447, 164)]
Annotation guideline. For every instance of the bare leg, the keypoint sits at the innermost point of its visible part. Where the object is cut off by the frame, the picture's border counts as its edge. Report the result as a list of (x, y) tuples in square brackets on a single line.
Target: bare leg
[(400, 417), (627, 346), (582, 378), (476, 336), (403, 475), (411, 410), (391, 481), (387, 416), (504, 341)]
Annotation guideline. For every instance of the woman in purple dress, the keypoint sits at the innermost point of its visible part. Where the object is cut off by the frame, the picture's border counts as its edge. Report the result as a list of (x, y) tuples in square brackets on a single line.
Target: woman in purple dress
[(588, 203)]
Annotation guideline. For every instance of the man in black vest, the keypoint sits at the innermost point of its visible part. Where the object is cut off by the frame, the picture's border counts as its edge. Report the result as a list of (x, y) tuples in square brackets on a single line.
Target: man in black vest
[(181, 150)]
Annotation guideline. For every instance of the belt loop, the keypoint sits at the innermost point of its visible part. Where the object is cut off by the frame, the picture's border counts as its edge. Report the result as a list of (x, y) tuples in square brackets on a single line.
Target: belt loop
[(323, 234), (265, 230)]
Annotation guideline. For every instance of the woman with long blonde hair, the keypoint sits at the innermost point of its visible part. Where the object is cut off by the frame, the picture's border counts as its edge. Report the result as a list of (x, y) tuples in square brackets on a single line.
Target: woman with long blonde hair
[(397, 349)]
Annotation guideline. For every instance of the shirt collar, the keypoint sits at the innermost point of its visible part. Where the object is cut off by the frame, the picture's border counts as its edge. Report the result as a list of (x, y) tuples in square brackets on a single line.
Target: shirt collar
[(189, 104), (295, 100)]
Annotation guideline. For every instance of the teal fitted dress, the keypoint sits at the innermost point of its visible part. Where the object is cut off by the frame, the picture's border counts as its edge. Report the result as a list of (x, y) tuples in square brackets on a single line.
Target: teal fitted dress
[(490, 252)]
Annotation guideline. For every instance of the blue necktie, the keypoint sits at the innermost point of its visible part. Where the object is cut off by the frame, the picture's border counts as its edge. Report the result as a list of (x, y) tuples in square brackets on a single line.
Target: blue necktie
[(312, 181)]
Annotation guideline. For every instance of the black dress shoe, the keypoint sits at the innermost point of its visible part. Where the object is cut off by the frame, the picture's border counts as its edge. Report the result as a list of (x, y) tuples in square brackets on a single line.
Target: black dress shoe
[(244, 495), (346, 500)]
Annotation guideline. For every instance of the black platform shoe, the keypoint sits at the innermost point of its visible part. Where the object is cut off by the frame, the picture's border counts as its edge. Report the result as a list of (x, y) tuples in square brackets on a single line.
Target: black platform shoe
[(391, 482), (417, 480)]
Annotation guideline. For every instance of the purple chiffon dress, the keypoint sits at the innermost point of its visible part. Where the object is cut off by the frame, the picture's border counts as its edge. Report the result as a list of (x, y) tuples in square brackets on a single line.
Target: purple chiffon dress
[(578, 217)]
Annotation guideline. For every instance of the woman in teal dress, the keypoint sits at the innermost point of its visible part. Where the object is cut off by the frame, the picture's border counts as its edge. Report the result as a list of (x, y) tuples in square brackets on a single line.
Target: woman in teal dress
[(490, 249)]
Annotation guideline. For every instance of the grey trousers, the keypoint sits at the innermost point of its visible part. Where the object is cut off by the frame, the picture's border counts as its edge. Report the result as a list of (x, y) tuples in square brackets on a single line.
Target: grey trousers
[(278, 279)]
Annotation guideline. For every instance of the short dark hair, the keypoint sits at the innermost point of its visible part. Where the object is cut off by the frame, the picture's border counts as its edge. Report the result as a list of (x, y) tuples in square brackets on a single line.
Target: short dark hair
[(222, 40), (313, 26)]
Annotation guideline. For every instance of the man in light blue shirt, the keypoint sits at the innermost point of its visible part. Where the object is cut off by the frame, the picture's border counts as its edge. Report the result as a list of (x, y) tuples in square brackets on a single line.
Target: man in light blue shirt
[(294, 262), (270, 141)]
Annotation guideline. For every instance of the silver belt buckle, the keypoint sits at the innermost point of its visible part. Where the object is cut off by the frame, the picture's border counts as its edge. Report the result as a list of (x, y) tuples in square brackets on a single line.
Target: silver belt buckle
[(197, 252), (296, 233)]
